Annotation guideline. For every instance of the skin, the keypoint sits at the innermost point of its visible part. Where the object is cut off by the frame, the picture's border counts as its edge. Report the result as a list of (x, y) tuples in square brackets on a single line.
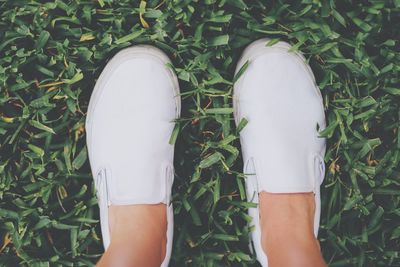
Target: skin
[(287, 235), (286, 228), (138, 236)]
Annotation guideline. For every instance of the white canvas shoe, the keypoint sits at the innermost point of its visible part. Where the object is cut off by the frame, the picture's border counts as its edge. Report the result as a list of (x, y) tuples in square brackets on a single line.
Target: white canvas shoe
[(282, 150), (129, 123)]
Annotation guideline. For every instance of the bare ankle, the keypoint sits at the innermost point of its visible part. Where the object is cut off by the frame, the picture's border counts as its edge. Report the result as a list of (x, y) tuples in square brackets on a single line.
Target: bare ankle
[(138, 236), (287, 229)]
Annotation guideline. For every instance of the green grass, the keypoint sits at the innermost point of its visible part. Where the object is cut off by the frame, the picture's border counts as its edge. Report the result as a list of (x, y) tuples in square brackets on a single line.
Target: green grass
[(51, 53)]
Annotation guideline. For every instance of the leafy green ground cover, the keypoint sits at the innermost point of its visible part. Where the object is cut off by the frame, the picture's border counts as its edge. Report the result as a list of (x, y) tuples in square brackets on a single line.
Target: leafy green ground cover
[(52, 51)]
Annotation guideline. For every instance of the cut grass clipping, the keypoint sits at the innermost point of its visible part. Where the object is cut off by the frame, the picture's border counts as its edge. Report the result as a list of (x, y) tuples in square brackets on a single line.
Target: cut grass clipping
[(51, 53)]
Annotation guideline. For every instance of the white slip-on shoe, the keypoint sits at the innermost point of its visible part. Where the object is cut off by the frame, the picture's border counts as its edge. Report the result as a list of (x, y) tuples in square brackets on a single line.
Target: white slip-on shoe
[(282, 150), (129, 122)]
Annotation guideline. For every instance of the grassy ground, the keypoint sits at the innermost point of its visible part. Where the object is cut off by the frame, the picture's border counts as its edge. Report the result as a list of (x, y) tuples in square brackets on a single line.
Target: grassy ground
[(52, 51)]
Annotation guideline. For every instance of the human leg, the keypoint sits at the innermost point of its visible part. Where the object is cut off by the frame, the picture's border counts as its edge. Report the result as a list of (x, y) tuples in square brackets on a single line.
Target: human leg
[(287, 232), (138, 236)]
